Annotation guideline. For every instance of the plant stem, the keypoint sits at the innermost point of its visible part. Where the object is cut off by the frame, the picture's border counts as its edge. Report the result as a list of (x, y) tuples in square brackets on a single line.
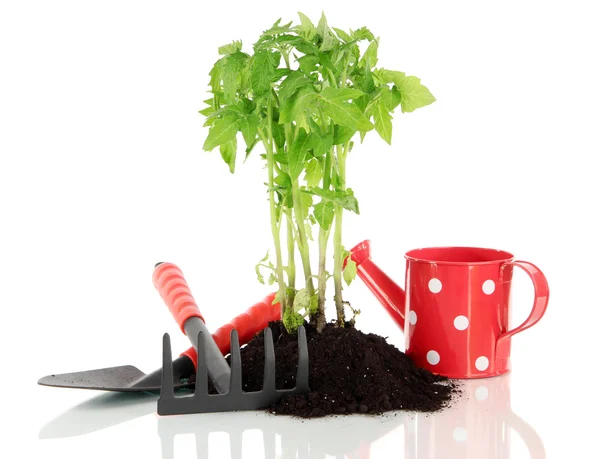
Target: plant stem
[(291, 266), (273, 210), (299, 213), (337, 238), (286, 58), (323, 239)]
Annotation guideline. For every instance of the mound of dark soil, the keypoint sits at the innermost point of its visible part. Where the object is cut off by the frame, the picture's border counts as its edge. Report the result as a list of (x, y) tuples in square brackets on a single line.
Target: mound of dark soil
[(350, 372)]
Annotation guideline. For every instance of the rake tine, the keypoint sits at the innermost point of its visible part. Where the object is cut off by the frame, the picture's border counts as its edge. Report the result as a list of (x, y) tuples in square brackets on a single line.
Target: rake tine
[(201, 369), (302, 375), (166, 386), (235, 383), (269, 374)]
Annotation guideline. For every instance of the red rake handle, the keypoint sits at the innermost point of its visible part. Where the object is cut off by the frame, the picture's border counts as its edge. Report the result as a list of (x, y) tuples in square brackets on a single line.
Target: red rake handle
[(170, 283), (248, 323)]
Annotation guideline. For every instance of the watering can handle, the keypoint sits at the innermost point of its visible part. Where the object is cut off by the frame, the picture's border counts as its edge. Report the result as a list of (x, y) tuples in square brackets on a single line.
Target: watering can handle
[(540, 303), (530, 437)]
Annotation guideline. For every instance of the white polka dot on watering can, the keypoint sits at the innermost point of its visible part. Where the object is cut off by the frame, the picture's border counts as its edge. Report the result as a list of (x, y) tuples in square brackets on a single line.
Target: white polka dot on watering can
[(482, 363), (433, 357), (412, 317), (488, 287), (460, 434), (461, 322), (435, 285), (481, 393)]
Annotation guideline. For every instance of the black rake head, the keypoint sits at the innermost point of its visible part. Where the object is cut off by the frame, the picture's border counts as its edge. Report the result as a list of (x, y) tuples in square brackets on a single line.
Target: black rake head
[(235, 399)]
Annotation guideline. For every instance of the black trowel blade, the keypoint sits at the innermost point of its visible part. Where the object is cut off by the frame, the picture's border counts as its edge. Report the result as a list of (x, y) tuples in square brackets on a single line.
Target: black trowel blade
[(125, 378)]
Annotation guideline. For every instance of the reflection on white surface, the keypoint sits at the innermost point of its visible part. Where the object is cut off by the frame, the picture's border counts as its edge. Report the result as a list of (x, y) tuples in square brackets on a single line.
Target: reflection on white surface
[(343, 437), (100, 412), (480, 425)]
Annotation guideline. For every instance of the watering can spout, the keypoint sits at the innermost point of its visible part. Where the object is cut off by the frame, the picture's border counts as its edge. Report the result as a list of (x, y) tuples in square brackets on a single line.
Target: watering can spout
[(389, 294)]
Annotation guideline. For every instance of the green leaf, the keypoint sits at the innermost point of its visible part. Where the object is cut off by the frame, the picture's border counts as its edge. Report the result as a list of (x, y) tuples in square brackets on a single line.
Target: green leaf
[(350, 271), (413, 94), (362, 34), (302, 301), (294, 109), (291, 84), (273, 279), (327, 64), (340, 94), (383, 121), (215, 76), (306, 47), (281, 158), (292, 320), (232, 66), (308, 230), (323, 213), (350, 202), (314, 174), (308, 63), (207, 111), (342, 112), (262, 72), (231, 48), (259, 275), (228, 153), (298, 154), (222, 131), (369, 59), (341, 134), (344, 198), (322, 143), (280, 73), (306, 201), (283, 180), (306, 29), (345, 253), (278, 134), (389, 76), (250, 148), (277, 29), (235, 110), (248, 125), (390, 97), (396, 98), (328, 40), (366, 82), (343, 35)]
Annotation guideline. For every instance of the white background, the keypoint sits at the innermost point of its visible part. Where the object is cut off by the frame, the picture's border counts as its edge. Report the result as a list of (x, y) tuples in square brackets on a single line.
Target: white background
[(102, 174)]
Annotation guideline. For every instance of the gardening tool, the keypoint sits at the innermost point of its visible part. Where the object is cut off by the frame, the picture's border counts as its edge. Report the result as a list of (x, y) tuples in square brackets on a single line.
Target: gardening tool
[(128, 378), (455, 311), (169, 281), (174, 290), (235, 399)]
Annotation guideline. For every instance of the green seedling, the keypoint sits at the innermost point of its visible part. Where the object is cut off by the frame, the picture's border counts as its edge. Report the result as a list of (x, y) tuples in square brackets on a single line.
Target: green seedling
[(305, 93)]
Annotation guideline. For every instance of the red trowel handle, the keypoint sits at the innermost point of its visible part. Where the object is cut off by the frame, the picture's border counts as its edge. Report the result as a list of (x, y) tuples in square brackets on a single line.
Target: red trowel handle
[(170, 283), (247, 324)]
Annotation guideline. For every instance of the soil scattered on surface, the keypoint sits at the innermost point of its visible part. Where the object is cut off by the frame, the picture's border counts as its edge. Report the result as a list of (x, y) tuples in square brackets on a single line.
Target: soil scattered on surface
[(350, 372)]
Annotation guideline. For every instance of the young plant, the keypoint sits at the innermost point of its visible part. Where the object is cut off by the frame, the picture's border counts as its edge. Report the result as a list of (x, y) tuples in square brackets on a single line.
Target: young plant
[(304, 94)]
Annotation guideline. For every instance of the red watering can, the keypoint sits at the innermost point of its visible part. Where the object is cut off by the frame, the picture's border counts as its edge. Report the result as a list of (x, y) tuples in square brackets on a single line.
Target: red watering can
[(456, 308)]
